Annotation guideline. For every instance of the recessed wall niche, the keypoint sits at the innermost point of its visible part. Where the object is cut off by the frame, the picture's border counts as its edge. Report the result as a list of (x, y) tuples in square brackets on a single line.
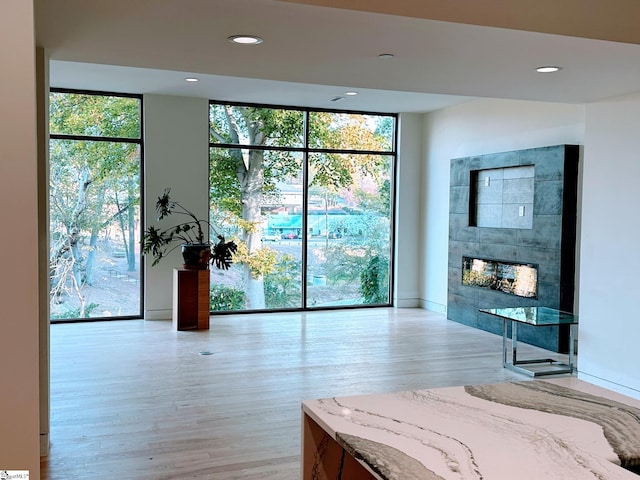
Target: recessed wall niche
[(545, 184), (502, 197)]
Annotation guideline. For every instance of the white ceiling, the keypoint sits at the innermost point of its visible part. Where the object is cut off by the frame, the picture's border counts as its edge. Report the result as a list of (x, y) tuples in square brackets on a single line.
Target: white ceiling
[(311, 54)]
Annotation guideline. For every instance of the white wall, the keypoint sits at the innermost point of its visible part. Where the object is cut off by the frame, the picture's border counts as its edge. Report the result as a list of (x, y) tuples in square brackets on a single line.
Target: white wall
[(474, 128), (610, 246), (176, 155), (407, 242), (19, 369), (42, 75)]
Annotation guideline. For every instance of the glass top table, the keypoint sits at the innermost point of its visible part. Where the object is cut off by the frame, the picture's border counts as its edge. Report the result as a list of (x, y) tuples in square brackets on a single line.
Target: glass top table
[(537, 317)]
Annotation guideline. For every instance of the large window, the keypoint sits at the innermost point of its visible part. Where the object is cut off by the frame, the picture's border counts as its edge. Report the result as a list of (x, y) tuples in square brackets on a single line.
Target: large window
[(308, 196), (94, 205)]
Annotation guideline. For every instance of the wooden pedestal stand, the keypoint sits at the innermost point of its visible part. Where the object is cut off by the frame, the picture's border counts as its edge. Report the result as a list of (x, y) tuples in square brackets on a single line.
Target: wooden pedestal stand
[(190, 299)]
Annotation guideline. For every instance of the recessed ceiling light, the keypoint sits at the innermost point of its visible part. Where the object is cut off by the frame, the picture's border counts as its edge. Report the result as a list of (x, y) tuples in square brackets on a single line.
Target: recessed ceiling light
[(547, 69), (385, 55), (245, 39), (351, 94), (191, 79)]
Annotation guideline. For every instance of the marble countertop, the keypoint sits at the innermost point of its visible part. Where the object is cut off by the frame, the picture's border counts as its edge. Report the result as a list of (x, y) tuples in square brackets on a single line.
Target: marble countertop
[(553, 429)]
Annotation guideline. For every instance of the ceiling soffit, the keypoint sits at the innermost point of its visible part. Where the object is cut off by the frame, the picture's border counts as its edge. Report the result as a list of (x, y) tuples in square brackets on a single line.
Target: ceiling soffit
[(613, 20)]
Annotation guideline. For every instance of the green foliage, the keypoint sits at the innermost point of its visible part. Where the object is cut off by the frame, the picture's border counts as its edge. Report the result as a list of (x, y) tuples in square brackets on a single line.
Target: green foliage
[(352, 261), (255, 150), (261, 261), (159, 242), (225, 298), (231, 180), (385, 198), (385, 132), (75, 312), (282, 286), (344, 263), (94, 115), (374, 281), (348, 131), (224, 187), (245, 125), (378, 201), (94, 184), (240, 175)]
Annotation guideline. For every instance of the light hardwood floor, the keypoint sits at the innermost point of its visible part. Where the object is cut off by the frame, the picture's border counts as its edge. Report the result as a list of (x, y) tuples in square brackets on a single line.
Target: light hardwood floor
[(136, 400)]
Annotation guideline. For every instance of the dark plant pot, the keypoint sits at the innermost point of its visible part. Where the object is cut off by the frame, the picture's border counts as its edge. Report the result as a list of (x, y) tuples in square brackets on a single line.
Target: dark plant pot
[(196, 256)]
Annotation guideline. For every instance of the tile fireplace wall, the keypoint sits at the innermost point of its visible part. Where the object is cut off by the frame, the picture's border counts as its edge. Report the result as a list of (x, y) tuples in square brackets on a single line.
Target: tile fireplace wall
[(546, 239)]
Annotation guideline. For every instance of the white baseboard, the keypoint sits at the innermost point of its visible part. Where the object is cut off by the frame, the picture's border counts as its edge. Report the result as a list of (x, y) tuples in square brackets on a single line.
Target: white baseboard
[(616, 387), (44, 444), (433, 307), (158, 314), (406, 302)]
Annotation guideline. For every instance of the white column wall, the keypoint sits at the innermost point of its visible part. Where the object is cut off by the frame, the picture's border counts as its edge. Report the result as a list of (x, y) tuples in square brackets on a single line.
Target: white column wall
[(610, 246), (19, 367), (407, 243), (177, 156), (42, 97), (473, 128)]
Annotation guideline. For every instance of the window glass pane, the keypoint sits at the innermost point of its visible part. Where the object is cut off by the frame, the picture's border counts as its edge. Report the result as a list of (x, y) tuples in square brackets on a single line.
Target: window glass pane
[(349, 229), (314, 228), (94, 115), (256, 126), (349, 131), (94, 197), (256, 199)]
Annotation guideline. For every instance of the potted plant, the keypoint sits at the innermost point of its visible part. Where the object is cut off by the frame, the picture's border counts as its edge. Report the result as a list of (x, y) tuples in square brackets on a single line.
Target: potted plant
[(197, 252)]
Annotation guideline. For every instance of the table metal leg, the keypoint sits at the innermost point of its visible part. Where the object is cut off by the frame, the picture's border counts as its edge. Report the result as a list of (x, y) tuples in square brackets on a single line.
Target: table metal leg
[(557, 367), (514, 342), (571, 348), (504, 342)]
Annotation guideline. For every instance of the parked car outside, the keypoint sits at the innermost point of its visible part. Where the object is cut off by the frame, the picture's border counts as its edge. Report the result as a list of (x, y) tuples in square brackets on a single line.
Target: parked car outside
[(271, 237)]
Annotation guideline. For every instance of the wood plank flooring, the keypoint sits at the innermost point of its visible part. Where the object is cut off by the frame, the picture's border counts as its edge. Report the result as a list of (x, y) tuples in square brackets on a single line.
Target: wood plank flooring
[(136, 400)]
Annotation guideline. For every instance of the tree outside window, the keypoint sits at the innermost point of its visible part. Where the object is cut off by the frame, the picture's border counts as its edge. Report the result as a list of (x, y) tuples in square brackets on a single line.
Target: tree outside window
[(307, 194), (94, 198)]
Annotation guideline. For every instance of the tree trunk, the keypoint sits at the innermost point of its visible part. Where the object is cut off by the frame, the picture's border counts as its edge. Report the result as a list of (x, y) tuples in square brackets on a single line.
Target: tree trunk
[(254, 292), (77, 266), (250, 175), (131, 251), (91, 257), (93, 240), (79, 209), (252, 184)]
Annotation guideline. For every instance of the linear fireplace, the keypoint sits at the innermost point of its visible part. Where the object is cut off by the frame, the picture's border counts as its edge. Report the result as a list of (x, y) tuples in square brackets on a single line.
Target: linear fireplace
[(520, 279)]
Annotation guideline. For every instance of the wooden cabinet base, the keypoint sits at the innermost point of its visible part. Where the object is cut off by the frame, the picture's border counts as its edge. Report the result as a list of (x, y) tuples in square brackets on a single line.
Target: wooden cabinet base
[(190, 299), (324, 459)]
